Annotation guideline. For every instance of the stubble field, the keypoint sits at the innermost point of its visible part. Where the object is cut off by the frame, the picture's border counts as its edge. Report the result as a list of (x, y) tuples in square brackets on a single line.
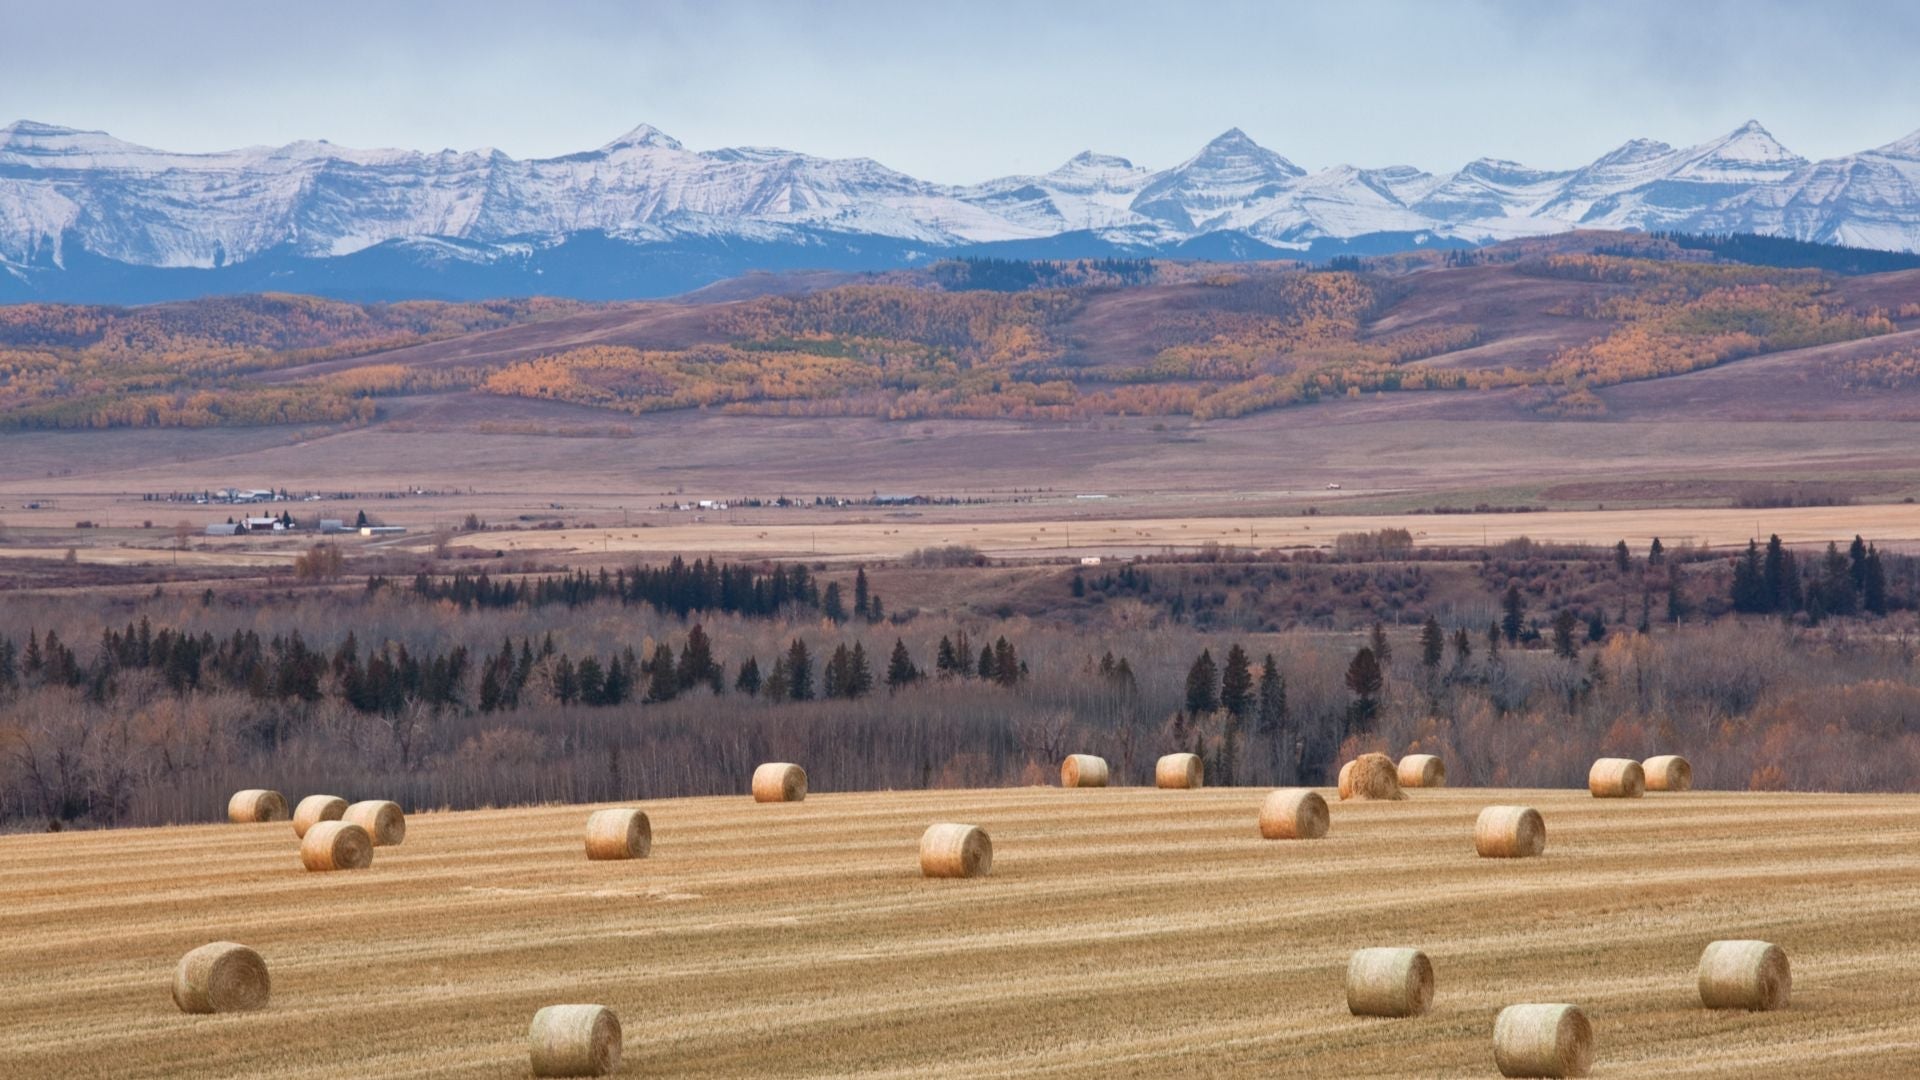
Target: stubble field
[(1122, 932)]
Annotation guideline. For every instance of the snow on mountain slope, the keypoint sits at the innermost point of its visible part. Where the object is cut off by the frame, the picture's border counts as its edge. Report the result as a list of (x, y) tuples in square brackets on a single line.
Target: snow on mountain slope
[(64, 191)]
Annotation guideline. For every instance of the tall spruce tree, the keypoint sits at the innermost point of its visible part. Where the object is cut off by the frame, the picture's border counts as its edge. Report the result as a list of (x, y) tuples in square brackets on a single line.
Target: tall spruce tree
[(1203, 685), (900, 670), (1513, 614), (1433, 643), (1236, 683), (799, 671)]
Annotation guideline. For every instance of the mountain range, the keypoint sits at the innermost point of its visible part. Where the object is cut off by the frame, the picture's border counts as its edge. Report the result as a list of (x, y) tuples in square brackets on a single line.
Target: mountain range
[(86, 216)]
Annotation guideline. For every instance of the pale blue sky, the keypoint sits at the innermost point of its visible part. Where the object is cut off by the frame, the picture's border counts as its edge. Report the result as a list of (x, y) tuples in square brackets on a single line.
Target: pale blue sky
[(962, 92)]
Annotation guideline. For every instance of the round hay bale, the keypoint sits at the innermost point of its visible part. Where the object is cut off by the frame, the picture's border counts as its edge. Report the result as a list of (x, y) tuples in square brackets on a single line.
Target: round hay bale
[(1509, 832), (1083, 770), (1617, 778), (336, 845), (956, 851), (382, 819), (624, 833), (1178, 771), (1422, 770), (574, 1040), (1370, 776), (779, 781), (1293, 814), (1389, 982), (1752, 975), (221, 977), (256, 805), (315, 809), (1543, 1040), (1668, 772)]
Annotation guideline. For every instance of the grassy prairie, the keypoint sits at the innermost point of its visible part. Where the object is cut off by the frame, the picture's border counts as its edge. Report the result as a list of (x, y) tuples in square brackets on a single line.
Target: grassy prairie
[(1123, 932)]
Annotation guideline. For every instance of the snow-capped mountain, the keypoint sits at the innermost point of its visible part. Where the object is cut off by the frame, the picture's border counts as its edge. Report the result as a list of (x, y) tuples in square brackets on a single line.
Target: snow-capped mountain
[(84, 214)]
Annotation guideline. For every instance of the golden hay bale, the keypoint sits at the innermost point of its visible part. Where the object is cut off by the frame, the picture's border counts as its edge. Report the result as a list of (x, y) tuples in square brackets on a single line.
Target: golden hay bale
[(1751, 975), (1083, 770), (1389, 982), (1509, 832), (1617, 778), (1668, 772), (336, 845), (574, 1040), (221, 977), (1293, 814), (255, 805), (961, 851), (1370, 776), (1178, 771), (624, 833), (779, 781), (1543, 1040), (1422, 770), (315, 809), (382, 819)]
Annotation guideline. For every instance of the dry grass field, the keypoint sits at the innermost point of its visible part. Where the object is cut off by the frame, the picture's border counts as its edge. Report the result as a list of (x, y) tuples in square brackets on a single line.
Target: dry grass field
[(1123, 932)]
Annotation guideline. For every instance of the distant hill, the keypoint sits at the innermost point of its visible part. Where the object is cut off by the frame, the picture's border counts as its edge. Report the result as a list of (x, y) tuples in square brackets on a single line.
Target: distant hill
[(1548, 327)]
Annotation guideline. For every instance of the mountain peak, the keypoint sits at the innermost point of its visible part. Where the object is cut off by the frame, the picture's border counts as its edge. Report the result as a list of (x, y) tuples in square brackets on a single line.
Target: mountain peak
[(645, 135), (1089, 160), (1750, 142), (1235, 151), (36, 129)]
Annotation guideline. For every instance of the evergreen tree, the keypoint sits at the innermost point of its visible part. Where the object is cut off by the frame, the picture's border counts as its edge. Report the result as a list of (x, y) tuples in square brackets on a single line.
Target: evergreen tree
[(836, 679), (663, 681), (1079, 585), (1236, 683), (1656, 554), (874, 611), (748, 682), (986, 670), (564, 686), (1873, 586), (1270, 714), (490, 690), (1007, 668), (900, 670), (1780, 578), (1493, 642), (945, 663), (799, 671), (1564, 622), (1462, 647), (1676, 603), (1433, 643), (860, 592), (593, 682), (696, 659), (1597, 627), (1203, 685), (1365, 681), (1622, 558), (1382, 648), (1750, 583), (859, 672), (1514, 614), (1857, 563), (359, 521), (830, 605), (778, 687)]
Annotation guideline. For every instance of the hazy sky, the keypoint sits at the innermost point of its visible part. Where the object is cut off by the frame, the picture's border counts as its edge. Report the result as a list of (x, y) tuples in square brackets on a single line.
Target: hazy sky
[(962, 92)]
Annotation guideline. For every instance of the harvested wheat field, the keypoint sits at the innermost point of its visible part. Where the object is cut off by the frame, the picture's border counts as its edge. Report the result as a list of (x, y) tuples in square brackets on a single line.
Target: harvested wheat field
[(1122, 932)]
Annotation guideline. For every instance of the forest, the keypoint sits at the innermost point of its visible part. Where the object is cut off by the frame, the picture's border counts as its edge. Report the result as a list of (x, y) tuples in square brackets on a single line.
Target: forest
[(1769, 669)]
